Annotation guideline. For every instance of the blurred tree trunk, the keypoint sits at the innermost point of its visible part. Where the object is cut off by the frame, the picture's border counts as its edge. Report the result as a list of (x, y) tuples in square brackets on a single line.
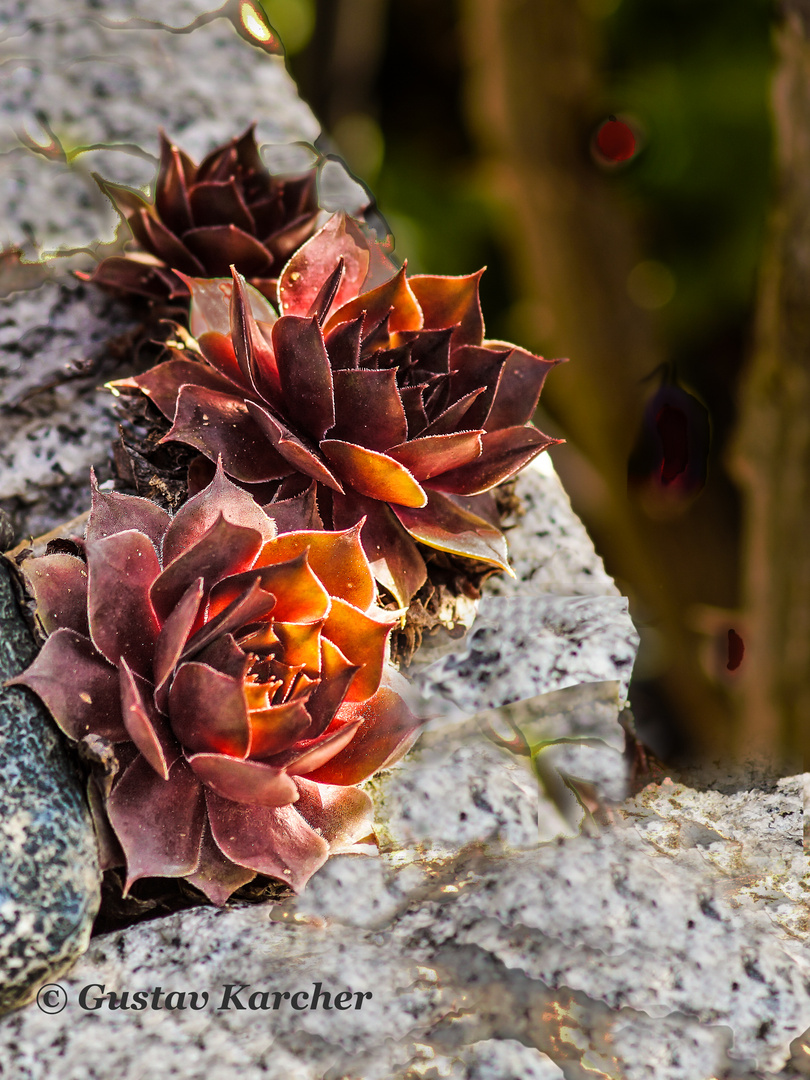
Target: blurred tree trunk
[(771, 454), (533, 87)]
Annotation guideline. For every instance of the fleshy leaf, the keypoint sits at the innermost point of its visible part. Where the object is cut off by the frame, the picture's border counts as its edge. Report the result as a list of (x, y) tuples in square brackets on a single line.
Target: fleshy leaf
[(145, 726), (444, 525), (394, 296), (446, 301), (373, 474), (368, 408), (111, 512), (172, 639), (307, 758), (208, 711), (195, 517), (162, 384), (300, 597), (337, 558), (305, 374), (342, 815), (435, 454), (519, 389), (121, 570), (219, 425), (79, 687), (361, 639), (59, 585), (216, 875), (503, 453), (387, 730), (158, 822), (277, 727), (273, 841), (291, 448), (302, 277), (250, 782), (218, 247)]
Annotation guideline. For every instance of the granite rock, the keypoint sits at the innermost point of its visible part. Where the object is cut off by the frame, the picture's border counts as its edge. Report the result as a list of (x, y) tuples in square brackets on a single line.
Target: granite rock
[(49, 876), (606, 955)]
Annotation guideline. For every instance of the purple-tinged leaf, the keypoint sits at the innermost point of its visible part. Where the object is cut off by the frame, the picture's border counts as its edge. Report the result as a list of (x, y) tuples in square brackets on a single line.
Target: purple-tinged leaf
[(158, 822), (336, 678), (220, 202), (194, 518), (322, 303), (444, 525), (343, 344), (343, 816), (223, 550), (218, 247), (59, 586), (373, 474), (273, 841), (472, 368), (503, 453), (208, 712), (223, 654), (291, 448), (145, 726), (253, 354), (78, 686), (162, 383), (220, 425), (296, 513), (111, 512), (250, 782), (254, 604), (216, 875), (171, 191), (313, 262), (316, 753), (519, 389), (368, 409), (155, 237), (454, 416), (434, 454), (121, 571), (305, 374), (172, 640), (411, 398), (300, 597)]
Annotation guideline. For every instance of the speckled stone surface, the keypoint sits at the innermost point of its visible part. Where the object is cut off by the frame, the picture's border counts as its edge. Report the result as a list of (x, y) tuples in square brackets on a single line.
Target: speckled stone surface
[(49, 877), (670, 945)]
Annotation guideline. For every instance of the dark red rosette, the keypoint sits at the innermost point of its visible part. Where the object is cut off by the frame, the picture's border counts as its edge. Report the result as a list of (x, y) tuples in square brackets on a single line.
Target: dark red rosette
[(228, 210), (239, 677), (374, 392)]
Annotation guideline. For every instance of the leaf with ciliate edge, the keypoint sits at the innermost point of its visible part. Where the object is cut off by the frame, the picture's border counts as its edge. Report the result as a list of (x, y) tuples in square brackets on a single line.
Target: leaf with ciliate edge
[(300, 596), (218, 247), (58, 583), (291, 448), (219, 425), (254, 604), (277, 727), (195, 517), (159, 823), (303, 276), (447, 301), (252, 783), (503, 453), (223, 550), (368, 408), (253, 354), (519, 388), (393, 296), (307, 758), (145, 726), (121, 571), (431, 455), (444, 525), (373, 474), (111, 512), (162, 384), (305, 374), (273, 841), (208, 711), (78, 686)]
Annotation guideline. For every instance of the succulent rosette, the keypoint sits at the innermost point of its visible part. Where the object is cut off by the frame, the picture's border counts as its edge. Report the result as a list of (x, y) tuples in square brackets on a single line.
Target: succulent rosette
[(374, 390), (228, 210), (236, 678)]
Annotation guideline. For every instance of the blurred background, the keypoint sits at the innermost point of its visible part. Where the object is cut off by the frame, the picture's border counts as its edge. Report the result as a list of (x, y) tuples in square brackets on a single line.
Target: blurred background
[(474, 124)]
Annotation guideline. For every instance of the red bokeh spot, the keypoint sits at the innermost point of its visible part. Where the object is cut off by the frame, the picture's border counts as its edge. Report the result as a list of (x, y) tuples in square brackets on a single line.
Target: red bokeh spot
[(616, 141)]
